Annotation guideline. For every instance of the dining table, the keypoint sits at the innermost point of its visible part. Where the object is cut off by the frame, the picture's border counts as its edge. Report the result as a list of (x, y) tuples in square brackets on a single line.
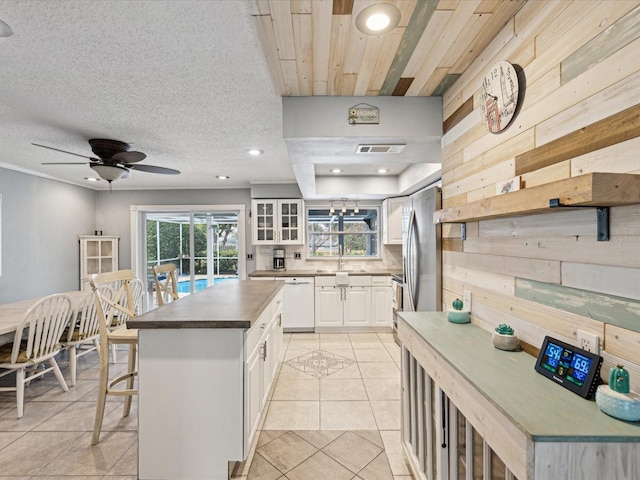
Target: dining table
[(11, 314)]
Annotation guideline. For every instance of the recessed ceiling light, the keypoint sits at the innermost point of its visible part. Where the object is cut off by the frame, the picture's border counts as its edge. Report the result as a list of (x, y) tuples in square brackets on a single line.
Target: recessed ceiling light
[(222, 177), (336, 170), (5, 30), (378, 19), (91, 179), (254, 152), (383, 170)]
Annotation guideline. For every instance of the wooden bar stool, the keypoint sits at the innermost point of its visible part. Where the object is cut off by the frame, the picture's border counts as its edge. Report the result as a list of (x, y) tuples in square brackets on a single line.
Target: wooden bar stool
[(109, 310)]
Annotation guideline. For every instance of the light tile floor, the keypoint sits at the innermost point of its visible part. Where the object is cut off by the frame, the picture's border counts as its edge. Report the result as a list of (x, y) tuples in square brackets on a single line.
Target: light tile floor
[(339, 419), (53, 439), (334, 412)]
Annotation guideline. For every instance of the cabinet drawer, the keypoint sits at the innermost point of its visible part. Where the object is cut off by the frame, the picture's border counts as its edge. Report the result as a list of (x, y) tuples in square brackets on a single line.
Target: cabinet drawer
[(381, 281), (256, 332), (354, 281)]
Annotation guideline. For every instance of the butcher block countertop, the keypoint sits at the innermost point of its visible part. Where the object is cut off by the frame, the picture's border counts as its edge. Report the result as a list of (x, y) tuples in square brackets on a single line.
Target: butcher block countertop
[(233, 304)]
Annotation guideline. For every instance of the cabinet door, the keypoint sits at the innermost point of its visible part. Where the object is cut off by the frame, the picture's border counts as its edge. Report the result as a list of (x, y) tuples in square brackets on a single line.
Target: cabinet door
[(382, 310), (266, 347), (264, 215), (252, 396), (357, 306), (98, 254), (392, 220), (290, 222), (328, 307)]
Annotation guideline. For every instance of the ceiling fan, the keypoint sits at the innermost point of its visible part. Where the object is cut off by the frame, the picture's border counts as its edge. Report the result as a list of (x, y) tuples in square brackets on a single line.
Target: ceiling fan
[(115, 160)]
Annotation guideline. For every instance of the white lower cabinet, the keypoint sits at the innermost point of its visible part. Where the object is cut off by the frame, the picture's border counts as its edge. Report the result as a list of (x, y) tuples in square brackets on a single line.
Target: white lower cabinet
[(365, 302), (263, 352), (381, 306), (357, 306), (343, 305), (328, 307)]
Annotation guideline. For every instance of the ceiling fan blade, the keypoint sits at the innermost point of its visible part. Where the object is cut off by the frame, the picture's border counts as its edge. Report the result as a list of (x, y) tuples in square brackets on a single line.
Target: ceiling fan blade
[(64, 151), (129, 157), (154, 169), (66, 163)]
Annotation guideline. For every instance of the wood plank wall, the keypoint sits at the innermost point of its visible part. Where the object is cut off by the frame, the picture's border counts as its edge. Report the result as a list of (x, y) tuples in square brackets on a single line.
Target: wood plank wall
[(546, 274)]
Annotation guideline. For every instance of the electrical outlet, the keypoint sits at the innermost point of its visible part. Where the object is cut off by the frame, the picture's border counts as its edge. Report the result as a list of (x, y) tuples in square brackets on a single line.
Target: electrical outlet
[(588, 341), (466, 299), (297, 255), (249, 256)]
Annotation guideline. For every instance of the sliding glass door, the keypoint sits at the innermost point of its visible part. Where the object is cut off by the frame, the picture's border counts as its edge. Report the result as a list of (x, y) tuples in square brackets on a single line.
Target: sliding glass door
[(206, 246)]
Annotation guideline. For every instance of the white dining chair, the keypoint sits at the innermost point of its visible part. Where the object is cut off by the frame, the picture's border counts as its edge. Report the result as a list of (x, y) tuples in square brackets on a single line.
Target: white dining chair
[(37, 340), (82, 336), (166, 283), (110, 312)]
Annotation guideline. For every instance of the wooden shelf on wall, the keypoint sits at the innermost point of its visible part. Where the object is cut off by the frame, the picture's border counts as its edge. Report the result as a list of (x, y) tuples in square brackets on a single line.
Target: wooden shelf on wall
[(589, 190)]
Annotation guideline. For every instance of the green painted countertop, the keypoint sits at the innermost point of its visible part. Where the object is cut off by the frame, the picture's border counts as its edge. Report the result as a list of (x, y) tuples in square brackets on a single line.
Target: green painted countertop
[(541, 409)]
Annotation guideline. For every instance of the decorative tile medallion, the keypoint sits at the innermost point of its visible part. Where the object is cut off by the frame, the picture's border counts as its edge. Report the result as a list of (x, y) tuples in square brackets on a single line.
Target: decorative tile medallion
[(319, 363)]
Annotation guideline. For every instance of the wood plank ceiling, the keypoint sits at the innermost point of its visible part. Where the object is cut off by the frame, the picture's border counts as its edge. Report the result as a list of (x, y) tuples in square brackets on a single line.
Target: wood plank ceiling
[(314, 48)]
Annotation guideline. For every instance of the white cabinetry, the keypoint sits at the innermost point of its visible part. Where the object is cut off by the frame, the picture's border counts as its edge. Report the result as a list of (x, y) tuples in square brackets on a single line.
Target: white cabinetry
[(343, 305), (98, 254), (381, 307), (277, 222), (263, 352), (392, 220)]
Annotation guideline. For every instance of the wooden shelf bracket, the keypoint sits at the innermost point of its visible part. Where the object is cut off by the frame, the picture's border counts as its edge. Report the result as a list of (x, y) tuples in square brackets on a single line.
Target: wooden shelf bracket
[(602, 218)]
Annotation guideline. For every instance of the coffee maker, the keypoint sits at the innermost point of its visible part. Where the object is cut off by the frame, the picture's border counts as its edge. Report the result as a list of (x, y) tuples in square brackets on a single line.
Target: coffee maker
[(278, 259)]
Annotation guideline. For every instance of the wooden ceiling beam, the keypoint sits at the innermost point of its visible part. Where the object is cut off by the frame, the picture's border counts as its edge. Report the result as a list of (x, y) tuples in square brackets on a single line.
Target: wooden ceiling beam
[(415, 28)]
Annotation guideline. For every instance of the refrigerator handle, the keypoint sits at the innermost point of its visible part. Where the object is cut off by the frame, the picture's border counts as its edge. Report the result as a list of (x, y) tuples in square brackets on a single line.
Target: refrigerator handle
[(409, 261)]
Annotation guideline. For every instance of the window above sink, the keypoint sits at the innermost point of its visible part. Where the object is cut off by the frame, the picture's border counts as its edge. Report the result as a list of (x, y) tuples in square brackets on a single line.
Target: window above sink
[(357, 233)]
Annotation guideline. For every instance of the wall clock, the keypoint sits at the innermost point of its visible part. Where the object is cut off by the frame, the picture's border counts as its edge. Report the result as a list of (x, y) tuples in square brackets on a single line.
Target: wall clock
[(499, 96)]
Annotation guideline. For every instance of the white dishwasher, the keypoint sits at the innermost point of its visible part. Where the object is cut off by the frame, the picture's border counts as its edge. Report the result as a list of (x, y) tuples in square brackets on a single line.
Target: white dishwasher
[(298, 308)]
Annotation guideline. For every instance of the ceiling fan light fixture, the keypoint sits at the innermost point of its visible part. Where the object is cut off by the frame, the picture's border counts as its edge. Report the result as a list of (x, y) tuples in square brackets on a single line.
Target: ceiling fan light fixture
[(110, 172), (378, 19), (5, 29)]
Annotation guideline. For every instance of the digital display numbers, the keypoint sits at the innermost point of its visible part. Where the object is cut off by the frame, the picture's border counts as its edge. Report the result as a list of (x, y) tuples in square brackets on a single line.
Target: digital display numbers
[(566, 363), (571, 367)]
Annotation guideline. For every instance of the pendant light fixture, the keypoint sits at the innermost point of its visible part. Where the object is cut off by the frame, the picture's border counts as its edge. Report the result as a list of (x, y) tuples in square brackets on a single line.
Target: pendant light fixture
[(5, 29)]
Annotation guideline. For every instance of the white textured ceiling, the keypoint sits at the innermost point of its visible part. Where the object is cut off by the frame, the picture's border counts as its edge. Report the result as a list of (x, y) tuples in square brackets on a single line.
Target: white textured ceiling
[(183, 81)]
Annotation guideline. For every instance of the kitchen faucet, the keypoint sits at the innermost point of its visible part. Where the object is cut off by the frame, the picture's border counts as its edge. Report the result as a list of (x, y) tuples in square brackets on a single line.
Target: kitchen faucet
[(340, 257)]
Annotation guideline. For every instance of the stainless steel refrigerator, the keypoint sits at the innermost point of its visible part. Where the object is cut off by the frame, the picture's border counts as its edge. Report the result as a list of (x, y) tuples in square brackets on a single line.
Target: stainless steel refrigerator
[(421, 252)]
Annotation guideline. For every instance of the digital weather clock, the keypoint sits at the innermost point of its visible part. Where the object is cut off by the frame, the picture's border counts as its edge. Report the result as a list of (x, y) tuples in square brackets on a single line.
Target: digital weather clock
[(573, 368)]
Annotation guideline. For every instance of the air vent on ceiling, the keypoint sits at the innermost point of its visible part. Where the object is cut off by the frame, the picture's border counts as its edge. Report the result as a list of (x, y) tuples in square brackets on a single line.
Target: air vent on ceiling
[(380, 148)]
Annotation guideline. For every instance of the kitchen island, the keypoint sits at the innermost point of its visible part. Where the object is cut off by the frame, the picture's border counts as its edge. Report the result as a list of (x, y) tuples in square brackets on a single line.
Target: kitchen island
[(470, 407), (206, 363)]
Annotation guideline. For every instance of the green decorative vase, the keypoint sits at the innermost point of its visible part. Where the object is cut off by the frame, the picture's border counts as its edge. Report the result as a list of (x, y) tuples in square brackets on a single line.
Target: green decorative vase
[(619, 379), (457, 315)]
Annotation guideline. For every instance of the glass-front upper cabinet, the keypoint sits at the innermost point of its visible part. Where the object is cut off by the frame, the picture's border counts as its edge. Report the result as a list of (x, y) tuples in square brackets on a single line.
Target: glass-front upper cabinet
[(98, 254), (277, 222)]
